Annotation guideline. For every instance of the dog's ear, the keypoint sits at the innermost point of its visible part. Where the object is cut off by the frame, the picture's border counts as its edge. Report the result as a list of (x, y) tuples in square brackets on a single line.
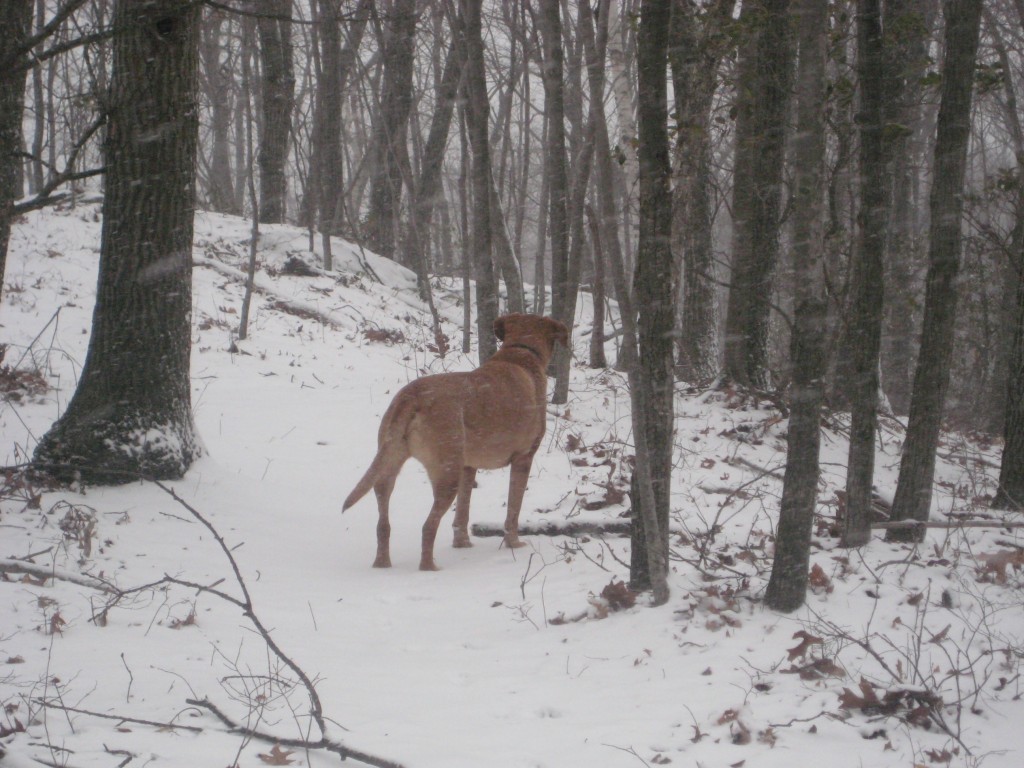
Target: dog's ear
[(560, 332), (499, 328)]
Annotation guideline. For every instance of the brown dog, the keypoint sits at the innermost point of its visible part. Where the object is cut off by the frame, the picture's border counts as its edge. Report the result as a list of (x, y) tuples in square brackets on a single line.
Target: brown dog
[(457, 423)]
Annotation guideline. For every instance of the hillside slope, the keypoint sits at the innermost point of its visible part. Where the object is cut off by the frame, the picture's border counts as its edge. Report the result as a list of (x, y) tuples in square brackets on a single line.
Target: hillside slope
[(120, 606)]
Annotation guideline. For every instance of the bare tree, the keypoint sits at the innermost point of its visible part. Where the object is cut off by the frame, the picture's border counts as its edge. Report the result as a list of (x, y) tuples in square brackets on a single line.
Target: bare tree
[(278, 96), (699, 44), (762, 96), (477, 109), (549, 21), (652, 385), (390, 159), (905, 32), (865, 325), (216, 80), (1010, 494), (15, 18), (131, 412), (931, 376), (787, 586)]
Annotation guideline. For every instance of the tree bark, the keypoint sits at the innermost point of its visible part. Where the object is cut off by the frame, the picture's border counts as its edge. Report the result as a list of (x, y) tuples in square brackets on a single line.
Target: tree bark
[(905, 26), (699, 43), (865, 328), (428, 191), (477, 109), (931, 376), (1010, 494), (550, 23), (326, 174), (391, 127), (278, 96), (594, 46), (220, 192), (131, 414), (15, 21), (787, 586), (652, 384), (763, 88)]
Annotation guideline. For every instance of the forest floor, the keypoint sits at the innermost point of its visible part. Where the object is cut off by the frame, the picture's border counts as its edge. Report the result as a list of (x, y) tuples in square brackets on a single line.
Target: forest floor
[(127, 614)]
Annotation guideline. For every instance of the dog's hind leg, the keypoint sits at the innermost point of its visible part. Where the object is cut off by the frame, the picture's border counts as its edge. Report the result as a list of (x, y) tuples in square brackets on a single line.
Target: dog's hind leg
[(383, 488), (446, 485), (520, 472), (461, 524)]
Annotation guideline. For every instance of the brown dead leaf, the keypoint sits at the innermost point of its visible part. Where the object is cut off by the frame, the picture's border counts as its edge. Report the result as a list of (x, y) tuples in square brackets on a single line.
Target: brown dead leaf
[(728, 716), (996, 563), (868, 698), (935, 756), (819, 581), (618, 595), (806, 641), (57, 624), (816, 670), (277, 756), (188, 621), (941, 635)]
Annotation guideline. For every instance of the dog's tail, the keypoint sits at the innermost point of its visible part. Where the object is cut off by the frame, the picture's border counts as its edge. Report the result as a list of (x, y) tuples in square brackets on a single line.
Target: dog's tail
[(392, 448)]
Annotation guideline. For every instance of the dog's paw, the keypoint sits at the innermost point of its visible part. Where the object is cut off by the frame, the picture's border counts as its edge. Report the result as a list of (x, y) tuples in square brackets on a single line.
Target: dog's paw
[(382, 562), (515, 543), (462, 543), (431, 566)]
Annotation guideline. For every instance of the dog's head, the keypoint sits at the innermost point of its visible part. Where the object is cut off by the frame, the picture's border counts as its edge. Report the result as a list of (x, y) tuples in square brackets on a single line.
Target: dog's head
[(532, 331)]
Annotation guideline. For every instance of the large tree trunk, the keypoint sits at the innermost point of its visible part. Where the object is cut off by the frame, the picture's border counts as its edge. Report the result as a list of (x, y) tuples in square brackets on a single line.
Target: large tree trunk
[(477, 109), (865, 328), (699, 43), (763, 89), (550, 23), (1010, 494), (787, 586), (931, 376), (391, 127), (278, 92), (131, 414), (906, 25), (15, 20), (652, 382)]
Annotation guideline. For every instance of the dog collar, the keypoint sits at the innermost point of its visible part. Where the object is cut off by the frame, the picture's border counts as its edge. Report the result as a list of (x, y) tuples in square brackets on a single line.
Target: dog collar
[(533, 351)]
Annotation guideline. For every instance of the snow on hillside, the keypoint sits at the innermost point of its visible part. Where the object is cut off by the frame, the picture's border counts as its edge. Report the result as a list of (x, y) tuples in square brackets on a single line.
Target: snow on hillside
[(503, 659)]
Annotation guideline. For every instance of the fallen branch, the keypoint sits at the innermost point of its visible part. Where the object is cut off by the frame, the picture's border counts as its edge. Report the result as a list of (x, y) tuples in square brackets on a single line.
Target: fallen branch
[(246, 605), (948, 525), (48, 572), (568, 528), (324, 743), (119, 718)]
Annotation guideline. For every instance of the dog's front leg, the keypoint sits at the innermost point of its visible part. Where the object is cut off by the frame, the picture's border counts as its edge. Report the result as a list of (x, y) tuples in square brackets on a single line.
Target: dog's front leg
[(461, 524), (520, 472)]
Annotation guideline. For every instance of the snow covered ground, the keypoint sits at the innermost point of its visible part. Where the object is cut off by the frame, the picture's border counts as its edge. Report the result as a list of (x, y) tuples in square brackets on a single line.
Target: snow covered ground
[(503, 659)]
